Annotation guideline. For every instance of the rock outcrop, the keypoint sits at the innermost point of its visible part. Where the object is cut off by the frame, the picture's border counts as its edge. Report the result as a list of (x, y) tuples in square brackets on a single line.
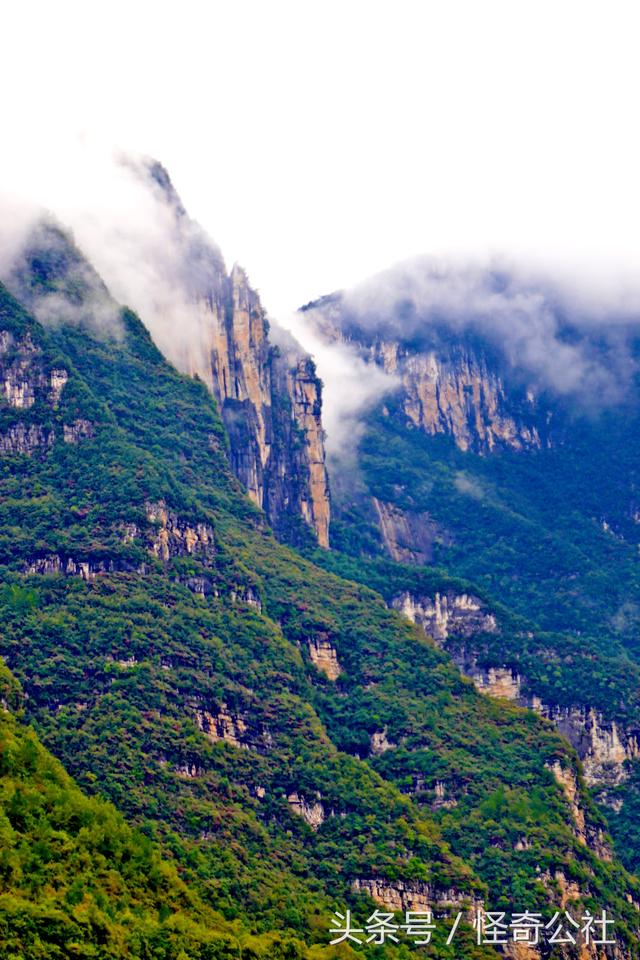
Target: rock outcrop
[(447, 384), (602, 745), (23, 373), (447, 613), (233, 727), (56, 564), (265, 385), (26, 378), (585, 832), (408, 536), (323, 654), (455, 393), (380, 743), (400, 895), (77, 431), (310, 809), (20, 438), (176, 537)]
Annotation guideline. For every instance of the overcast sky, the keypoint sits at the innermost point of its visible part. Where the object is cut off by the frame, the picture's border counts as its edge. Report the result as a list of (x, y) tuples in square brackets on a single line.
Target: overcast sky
[(320, 142)]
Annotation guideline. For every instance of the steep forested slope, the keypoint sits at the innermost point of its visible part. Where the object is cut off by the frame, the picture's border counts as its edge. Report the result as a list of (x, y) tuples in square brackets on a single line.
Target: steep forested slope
[(526, 502), (286, 738), (75, 879)]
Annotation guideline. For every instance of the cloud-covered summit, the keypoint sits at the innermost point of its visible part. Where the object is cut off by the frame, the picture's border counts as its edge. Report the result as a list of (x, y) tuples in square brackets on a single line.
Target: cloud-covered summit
[(554, 334)]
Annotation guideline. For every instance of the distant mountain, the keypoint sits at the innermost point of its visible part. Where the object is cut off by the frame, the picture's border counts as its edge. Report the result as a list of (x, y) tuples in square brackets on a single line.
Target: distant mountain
[(492, 465)]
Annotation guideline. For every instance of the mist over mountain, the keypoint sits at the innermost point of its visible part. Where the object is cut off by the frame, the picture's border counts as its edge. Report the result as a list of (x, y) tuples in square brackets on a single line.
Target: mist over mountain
[(319, 481), (503, 450), (206, 320), (573, 339), (407, 680)]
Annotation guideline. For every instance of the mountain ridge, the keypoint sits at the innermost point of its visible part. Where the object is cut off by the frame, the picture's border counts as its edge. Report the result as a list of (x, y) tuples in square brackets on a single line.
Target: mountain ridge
[(544, 529), (284, 737)]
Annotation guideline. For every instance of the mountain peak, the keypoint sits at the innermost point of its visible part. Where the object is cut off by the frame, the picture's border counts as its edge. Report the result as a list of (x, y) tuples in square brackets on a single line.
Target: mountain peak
[(58, 284)]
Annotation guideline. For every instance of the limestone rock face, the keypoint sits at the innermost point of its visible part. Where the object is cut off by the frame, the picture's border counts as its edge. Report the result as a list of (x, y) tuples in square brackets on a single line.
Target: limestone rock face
[(266, 387), (399, 895), (587, 834), (445, 614), (224, 726), (32, 385), (602, 746), (176, 537), (323, 654), (210, 324), (409, 537), (20, 438), (380, 743), (77, 431), (312, 810), (456, 394), (24, 375), (448, 384), (499, 682), (71, 567), (233, 727), (305, 391), (271, 404), (32, 391), (22, 371)]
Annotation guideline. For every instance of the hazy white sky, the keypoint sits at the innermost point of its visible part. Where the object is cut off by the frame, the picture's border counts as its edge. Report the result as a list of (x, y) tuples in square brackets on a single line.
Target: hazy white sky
[(320, 142)]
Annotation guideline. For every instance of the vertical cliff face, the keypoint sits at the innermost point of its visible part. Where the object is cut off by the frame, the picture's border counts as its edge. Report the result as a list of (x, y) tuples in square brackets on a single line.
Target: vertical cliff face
[(455, 392), (447, 385), (211, 323), (270, 400), (265, 385)]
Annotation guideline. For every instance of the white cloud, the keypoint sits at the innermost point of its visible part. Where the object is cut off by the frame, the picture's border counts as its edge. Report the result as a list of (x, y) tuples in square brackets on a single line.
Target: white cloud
[(559, 333), (320, 142), (350, 388)]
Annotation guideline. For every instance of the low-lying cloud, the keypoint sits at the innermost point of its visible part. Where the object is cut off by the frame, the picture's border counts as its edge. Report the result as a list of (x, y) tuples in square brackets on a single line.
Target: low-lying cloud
[(351, 387), (557, 333), (560, 331), (129, 224)]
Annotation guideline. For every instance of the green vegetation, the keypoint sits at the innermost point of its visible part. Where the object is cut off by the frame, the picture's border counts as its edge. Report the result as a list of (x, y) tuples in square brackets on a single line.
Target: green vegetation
[(548, 539), (128, 661), (76, 881)]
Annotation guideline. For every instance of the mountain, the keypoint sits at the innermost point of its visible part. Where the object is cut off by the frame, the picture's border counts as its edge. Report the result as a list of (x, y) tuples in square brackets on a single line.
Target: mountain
[(76, 879), (507, 502), (266, 386), (288, 743)]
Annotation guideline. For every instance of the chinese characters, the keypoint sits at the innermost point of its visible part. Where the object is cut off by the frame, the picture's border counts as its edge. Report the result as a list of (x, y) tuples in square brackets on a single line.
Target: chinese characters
[(491, 928)]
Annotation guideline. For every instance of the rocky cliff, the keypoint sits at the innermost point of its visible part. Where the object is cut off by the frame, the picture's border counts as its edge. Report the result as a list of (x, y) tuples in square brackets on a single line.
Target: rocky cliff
[(32, 384), (210, 323), (446, 613), (265, 385), (270, 399), (605, 748), (449, 386), (454, 392)]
